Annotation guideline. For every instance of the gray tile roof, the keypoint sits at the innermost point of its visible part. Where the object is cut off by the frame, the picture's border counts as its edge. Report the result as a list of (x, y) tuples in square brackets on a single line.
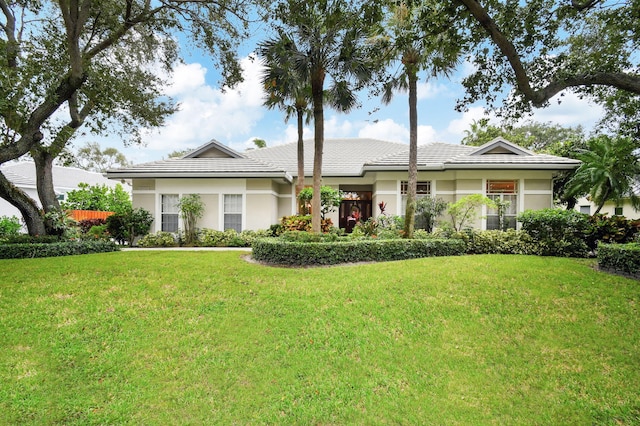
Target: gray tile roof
[(200, 167), (341, 157), (23, 174), (347, 157)]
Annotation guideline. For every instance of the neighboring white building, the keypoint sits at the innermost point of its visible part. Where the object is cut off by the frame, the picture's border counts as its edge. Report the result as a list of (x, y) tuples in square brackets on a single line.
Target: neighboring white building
[(254, 189), (585, 205), (65, 179)]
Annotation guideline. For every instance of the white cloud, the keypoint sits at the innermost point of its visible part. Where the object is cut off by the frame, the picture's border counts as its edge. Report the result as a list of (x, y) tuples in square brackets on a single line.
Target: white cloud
[(427, 134), (338, 127), (206, 112), (387, 130), (429, 90), (571, 111), (457, 126)]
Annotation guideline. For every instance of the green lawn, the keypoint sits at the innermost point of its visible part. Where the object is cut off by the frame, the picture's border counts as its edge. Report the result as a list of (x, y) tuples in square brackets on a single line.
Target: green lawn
[(207, 338)]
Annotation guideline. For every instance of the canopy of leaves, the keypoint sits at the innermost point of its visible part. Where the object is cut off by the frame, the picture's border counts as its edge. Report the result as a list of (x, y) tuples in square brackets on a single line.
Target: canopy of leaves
[(97, 197), (92, 157), (539, 137), (542, 48)]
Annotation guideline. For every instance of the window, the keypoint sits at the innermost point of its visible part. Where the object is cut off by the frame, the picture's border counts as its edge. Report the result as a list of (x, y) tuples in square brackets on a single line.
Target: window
[(505, 194), (233, 212), (617, 211), (423, 190), (170, 213), (585, 209)]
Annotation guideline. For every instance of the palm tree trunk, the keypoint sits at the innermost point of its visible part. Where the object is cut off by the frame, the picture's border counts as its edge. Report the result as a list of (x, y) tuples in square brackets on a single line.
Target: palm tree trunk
[(410, 211), (317, 83), (300, 181)]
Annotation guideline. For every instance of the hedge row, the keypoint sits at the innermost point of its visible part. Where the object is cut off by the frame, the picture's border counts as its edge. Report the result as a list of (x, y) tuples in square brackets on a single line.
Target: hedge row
[(63, 248), (279, 252), (620, 258)]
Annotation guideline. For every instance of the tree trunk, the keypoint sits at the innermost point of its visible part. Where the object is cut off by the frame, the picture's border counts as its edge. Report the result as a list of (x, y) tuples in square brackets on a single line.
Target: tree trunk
[(317, 83), (410, 212), (44, 180), (28, 208), (300, 181)]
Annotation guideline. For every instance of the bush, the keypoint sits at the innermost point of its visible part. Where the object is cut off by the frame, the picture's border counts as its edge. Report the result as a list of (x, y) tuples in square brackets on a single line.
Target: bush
[(9, 226), (86, 224), (556, 232), (230, 238), (159, 239), (621, 258), (37, 239), (60, 248), (616, 229), (497, 242), (126, 226), (303, 223), (281, 252)]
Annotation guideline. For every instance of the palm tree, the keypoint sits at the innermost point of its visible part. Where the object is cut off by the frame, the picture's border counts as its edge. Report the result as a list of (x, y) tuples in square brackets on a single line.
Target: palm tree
[(420, 48), (327, 41), (608, 171), (288, 90)]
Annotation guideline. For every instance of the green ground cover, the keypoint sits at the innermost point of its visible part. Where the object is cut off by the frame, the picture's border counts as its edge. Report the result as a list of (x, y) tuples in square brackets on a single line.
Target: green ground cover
[(208, 338)]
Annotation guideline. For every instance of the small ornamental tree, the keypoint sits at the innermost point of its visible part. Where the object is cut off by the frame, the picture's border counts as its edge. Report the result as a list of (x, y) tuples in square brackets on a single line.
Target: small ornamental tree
[(191, 208), (427, 210), (329, 199), (465, 210)]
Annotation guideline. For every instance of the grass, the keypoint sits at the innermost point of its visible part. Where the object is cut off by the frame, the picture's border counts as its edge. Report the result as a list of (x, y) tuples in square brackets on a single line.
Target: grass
[(207, 338)]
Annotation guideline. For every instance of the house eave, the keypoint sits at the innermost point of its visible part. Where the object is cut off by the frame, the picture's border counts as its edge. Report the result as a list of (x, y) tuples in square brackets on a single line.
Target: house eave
[(511, 166), (197, 175)]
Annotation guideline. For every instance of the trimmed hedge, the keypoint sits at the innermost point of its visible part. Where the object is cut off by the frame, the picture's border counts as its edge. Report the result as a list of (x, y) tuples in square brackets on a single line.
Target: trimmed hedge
[(63, 248), (620, 258), (279, 252)]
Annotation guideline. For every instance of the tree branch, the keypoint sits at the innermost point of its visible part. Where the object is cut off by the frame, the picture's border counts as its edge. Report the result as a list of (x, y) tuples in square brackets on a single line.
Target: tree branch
[(622, 81)]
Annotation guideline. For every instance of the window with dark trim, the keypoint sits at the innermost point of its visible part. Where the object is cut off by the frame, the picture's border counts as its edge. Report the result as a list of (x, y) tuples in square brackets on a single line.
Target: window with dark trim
[(423, 190)]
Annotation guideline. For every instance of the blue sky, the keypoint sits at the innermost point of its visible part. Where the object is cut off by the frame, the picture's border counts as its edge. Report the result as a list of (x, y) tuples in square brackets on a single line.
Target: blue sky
[(236, 116)]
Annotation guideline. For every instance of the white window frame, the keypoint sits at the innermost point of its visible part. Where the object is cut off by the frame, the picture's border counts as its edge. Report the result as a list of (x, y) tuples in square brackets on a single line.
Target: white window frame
[(503, 195), (233, 210), (425, 191), (169, 210)]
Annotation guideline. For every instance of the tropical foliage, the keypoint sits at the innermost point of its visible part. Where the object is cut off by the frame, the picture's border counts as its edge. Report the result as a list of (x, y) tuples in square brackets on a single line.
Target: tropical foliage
[(327, 43), (97, 197), (609, 171)]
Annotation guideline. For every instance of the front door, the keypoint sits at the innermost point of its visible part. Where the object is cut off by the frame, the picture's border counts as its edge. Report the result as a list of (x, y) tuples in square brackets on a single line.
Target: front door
[(355, 207)]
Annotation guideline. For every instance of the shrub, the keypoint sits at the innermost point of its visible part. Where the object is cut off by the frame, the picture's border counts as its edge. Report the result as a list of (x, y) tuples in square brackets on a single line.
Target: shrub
[(35, 239), (159, 239), (624, 258), (556, 232), (230, 238), (9, 226), (498, 242), (60, 248), (616, 229), (86, 224), (303, 223), (99, 232), (126, 226), (281, 252)]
